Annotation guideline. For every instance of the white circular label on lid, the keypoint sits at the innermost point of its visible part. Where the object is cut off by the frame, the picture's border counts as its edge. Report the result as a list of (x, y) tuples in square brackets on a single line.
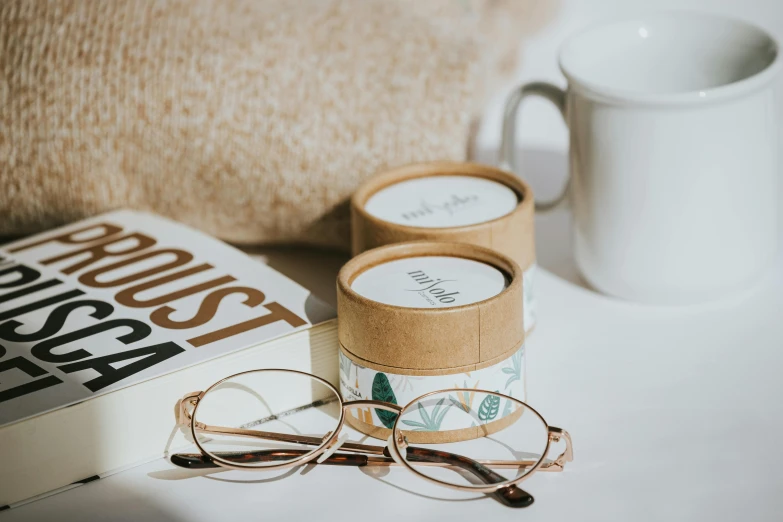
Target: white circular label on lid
[(442, 201), (430, 282)]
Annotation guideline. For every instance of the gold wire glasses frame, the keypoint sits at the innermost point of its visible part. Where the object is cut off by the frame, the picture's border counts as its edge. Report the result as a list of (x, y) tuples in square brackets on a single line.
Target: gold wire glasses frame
[(355, 454)]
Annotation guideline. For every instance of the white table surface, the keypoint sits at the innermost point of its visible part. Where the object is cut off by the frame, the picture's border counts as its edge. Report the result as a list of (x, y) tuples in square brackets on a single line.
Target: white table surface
[(675, 413)]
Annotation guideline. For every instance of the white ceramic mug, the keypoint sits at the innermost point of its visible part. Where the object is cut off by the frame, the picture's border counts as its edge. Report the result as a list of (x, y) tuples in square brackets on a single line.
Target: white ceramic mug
[(673, 144)]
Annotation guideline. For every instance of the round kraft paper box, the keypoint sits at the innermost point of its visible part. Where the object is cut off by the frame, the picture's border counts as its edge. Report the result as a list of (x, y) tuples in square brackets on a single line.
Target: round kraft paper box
[(424, 316), (454, 202)]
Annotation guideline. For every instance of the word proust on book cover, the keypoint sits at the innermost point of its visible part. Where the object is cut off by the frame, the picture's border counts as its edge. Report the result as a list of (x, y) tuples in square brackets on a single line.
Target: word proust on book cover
[(105, 323)]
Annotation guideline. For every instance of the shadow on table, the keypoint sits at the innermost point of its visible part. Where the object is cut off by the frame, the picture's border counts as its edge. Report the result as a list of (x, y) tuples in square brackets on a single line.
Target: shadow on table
[(417, 489), (96, 501), (226, 475), (382, 474), (546, 171), (399, 481), (312, 268)]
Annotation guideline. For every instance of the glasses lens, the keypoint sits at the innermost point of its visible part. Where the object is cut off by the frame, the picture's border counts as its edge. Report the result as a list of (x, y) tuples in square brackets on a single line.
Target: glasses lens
[(266, 418), (471, 438)]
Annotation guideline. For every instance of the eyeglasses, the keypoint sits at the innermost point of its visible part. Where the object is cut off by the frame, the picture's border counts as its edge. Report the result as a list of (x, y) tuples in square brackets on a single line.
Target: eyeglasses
[(465, 439)]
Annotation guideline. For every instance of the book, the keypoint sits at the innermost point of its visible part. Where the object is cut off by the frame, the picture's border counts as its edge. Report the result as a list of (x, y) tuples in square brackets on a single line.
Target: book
[(106, 323)]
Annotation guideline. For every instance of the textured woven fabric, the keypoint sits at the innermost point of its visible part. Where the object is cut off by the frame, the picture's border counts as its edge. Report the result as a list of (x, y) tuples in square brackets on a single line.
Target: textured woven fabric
[(252, 120)]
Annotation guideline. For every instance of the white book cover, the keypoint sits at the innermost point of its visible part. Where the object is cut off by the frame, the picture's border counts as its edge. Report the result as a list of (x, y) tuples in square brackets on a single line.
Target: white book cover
[(125, 297)]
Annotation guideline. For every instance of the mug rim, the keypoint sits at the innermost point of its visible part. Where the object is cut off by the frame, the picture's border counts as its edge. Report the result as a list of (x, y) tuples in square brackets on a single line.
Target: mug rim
[(699, 96)]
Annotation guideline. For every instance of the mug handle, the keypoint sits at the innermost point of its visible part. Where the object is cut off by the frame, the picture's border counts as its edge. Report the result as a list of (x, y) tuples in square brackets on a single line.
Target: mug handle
[(548, 91)]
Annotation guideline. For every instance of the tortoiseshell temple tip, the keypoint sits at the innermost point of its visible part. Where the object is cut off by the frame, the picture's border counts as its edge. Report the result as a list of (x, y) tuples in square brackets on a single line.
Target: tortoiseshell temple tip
[(192, 461), (514, 497)]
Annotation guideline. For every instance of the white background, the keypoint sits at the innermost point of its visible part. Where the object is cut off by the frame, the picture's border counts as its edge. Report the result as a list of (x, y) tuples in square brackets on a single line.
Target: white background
[(675, 412)]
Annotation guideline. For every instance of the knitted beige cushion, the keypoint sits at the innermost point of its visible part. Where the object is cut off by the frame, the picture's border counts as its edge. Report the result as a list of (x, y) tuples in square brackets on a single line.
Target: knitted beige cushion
[(253, 120)]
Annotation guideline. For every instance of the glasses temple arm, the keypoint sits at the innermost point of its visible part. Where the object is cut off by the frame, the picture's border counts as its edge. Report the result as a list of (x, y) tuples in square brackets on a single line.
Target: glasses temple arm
[(510, 496), (369, 449), (284, 437), (201, 461), (185, 418)]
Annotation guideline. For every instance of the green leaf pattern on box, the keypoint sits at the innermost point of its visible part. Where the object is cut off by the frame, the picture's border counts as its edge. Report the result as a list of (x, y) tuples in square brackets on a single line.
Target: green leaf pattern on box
[(382, 391), (489, 408), (429, 422), (359, 382)]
